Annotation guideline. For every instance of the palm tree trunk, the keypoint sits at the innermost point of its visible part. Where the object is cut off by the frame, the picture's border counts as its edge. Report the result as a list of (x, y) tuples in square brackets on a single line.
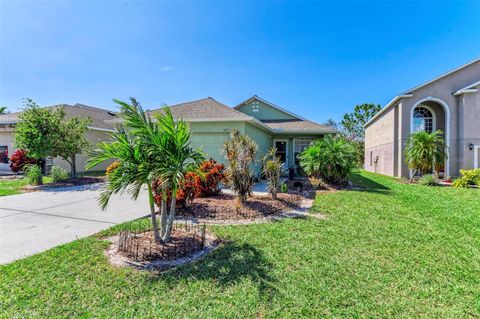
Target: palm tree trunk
[(163, 214), (171, 216), (151, 201)]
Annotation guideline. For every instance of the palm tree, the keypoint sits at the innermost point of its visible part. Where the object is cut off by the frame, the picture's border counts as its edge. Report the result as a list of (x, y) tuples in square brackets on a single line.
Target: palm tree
[(148, 151), (3, 109), (425, 151), (179, 159), (139, 154)]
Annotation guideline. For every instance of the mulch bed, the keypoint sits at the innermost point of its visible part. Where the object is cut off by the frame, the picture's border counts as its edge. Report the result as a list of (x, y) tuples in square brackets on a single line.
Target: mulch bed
[(142, 246), (86, 180), (225, 206)]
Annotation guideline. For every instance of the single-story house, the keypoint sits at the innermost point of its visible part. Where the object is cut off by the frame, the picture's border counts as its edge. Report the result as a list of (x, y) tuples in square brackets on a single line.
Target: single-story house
[(102, 123), (450, 103), (211, 123)]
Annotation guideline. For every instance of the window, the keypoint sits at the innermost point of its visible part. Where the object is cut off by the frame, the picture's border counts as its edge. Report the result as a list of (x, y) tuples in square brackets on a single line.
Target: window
[(422, 120), (299, 145), (371, 158)]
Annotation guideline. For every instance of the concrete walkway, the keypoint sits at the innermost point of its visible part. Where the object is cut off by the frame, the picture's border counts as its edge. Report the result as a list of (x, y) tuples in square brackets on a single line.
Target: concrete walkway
[(37, 221)]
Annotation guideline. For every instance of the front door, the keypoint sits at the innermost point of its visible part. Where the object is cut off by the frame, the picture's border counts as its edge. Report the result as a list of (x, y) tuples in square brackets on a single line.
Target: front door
[(282, 150)]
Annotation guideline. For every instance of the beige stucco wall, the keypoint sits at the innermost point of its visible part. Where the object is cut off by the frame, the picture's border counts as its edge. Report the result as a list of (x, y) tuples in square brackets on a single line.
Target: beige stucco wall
[(457, 116), (7, 137), (93, 136), (380, 144)]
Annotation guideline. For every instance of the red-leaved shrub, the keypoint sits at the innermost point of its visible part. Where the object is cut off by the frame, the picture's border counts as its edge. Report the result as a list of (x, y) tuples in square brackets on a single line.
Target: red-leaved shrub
[(206, 183), (19, 159), (188, 189), (212, 174)]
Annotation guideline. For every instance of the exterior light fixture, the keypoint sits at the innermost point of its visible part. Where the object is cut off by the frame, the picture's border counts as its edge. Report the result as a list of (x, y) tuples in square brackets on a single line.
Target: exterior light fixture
[(471, 146)]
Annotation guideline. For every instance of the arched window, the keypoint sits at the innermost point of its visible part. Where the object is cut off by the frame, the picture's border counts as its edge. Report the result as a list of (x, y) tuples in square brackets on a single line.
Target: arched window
[(423, 120)]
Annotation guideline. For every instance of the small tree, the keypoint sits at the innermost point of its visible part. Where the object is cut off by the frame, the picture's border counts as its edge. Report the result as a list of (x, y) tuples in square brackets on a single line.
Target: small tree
[(240, 153), (272, 168), (72, 142), (37, 129), (425, 152), (45, 132)]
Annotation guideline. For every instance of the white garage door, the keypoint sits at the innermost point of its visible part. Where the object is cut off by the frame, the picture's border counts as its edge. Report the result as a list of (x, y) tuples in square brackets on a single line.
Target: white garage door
[(6, 138), (210, 143)]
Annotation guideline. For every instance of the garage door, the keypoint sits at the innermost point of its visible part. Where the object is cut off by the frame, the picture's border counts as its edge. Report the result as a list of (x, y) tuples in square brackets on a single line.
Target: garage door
[(6, 138), (210, 143)]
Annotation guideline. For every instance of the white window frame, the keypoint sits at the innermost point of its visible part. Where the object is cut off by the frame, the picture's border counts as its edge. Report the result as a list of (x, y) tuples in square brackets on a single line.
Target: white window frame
[(286, 148), (476, 149), (434, 117)]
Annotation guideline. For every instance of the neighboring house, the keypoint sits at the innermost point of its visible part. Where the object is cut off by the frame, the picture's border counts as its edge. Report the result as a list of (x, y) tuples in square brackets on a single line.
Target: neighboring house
[(211, 123), (266, 123), (101, 125), (450, 102)]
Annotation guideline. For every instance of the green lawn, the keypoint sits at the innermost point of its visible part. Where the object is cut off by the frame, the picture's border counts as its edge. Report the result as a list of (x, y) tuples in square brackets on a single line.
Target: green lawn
[(14, 186), (389, 250)]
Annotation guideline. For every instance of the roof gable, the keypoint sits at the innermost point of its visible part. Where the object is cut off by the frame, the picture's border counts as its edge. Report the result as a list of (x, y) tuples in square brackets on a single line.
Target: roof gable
[(204, 109), (264, 110)]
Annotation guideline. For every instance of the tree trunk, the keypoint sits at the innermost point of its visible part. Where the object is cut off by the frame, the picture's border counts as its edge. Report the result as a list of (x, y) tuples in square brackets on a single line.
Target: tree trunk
[(274, 193), (73, 166), (171, 216), (163, 213), (151, 201)]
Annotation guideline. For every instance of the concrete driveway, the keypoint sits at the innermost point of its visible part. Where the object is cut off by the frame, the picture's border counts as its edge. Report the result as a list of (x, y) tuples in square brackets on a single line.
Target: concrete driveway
[(37, 221)]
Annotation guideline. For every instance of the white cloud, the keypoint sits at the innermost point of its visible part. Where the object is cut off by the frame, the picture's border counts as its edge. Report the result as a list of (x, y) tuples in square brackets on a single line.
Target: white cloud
[(166, 68)]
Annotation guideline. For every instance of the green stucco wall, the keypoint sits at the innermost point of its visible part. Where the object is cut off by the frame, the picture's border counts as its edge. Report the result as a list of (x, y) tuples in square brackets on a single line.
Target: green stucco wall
[(210, 136), (264, 111), (263, 140)]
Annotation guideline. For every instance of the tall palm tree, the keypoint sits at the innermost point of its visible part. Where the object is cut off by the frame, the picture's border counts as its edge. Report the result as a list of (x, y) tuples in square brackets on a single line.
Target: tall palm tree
[(3, 109), (179, 159), (147, 151), (425, 151), (136, 147)]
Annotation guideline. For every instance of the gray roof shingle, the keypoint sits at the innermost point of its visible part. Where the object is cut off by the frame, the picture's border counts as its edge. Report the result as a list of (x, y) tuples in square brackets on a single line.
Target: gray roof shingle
[(296, 126), (207, 108), (100, 118)]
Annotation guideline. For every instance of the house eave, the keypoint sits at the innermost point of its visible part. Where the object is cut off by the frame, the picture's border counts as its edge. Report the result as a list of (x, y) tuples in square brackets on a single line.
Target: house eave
[(386, 107)]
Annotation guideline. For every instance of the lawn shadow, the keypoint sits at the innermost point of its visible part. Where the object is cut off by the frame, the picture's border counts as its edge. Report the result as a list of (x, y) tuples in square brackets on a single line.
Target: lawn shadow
[(365, 184), (228, 265)]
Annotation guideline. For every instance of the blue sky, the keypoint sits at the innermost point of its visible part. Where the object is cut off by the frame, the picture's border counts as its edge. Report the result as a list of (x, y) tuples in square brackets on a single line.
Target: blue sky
[(315, 59)]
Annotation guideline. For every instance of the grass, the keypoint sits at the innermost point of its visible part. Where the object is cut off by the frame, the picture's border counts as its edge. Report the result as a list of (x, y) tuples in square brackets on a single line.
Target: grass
[(15, 186), (386, 250)]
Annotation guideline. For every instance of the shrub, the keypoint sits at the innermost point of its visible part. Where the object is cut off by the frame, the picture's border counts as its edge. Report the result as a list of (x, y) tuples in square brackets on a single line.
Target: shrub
[(317, 182), (284, 188), (212, 173), (469, 178), (58, 173), (188, 189), (112, 167), (19, 160), (429, 180), (240, 151), (33, 173), (331, 159), (272, 167)]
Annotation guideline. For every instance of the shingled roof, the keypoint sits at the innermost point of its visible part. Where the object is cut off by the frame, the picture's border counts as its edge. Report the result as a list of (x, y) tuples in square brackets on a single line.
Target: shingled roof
[(205, 109), (101, 119), (297, 126)]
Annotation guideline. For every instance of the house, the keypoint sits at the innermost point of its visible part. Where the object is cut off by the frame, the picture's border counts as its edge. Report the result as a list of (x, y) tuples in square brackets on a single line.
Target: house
[(266, 123), (211, 123), (102, 123), (450, 103)]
